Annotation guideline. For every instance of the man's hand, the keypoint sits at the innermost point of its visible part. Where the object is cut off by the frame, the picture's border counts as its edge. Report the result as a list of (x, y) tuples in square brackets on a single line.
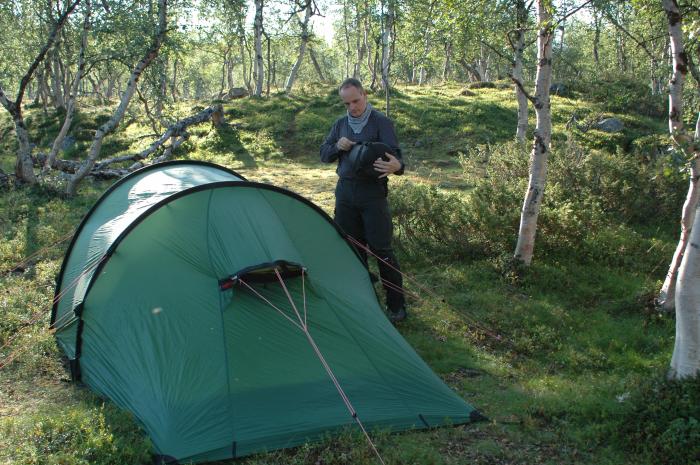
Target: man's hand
[(387, 167), (344, 144)]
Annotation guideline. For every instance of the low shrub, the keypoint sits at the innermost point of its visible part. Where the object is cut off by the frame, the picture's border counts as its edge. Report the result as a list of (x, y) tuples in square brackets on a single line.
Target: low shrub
[(663, 421)]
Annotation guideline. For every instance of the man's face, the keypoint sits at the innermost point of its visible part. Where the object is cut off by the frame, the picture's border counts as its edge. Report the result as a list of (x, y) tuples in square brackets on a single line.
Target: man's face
[(355, 100)]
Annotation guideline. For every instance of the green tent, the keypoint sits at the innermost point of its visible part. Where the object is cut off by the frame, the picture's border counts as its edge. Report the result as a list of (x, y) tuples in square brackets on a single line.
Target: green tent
[(171, 303)]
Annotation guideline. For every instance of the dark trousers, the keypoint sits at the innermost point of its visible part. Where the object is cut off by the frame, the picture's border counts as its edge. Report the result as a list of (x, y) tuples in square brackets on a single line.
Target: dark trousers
[(362, 211)]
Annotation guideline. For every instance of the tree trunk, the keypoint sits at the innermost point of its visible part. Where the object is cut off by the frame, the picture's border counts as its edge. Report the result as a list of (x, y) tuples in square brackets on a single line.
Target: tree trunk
[(59, 102), (358, 44), (519, 49), (109, 126), (387, 37), (686, 351), (173, 88), (259, 67), (317, 65), (540, 148), (269, 64), (347, 39), (72, 96), (308, 12), (448, 57), (675, 127), (596, 38)]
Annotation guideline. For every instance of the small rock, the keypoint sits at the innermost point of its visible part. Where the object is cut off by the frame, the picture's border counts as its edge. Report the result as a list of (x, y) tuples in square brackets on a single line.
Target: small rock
[(237, 92), (610, 125)]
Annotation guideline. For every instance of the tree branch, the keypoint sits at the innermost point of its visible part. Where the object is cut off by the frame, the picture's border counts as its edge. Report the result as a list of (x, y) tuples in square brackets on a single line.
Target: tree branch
[(574, 11), (42, 53)]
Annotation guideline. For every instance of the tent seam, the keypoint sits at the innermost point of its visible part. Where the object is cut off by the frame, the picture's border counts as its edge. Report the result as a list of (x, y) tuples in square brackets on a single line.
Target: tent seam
[(223, 323)]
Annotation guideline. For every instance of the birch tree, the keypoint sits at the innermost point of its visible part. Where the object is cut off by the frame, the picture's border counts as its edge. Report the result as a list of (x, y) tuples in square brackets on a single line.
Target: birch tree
[(518, 46), (681, 139), (113, 122), (387, 36), (543, 132), (259, 72), (308, 8), (73, 96), (24, 169)]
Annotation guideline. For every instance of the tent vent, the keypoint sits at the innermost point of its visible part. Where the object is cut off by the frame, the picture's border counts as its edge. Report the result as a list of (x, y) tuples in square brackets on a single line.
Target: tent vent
[(262, 273)]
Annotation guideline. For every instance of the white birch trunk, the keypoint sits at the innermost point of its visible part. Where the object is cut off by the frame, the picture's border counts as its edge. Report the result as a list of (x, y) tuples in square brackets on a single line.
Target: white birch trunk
[(686, 351), (73, 96), (259, 67), (675, 126), (540, 147), (386, 51), (302, 47), (519, 48), (109, 126)]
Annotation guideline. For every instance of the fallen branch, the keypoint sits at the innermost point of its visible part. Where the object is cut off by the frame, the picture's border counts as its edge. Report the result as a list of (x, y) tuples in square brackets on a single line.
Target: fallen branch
[(215, 113)]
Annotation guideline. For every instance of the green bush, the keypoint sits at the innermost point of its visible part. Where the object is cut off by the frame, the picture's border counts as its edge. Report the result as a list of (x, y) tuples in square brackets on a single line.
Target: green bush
[(625, 95), (591, 206), (663, 421)]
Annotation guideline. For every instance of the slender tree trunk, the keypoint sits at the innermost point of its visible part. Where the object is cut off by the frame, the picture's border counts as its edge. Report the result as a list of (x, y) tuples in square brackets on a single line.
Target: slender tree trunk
[(519, 49), (448, 57), (173, 88), (346, 32), (269, 64), (259, 67), (675, 127), (387, 37), (308, 12), (596, 38), (56, 80), (540, 148), (317, 65), (73, 95), (109, 126), (358, 44)]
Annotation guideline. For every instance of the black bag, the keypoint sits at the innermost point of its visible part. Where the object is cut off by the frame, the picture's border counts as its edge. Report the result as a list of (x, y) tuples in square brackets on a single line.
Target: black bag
[(363, 155)]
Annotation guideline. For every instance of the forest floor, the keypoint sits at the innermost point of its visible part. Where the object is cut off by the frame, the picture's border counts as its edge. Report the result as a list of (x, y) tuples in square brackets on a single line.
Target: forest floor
[(573, 338)]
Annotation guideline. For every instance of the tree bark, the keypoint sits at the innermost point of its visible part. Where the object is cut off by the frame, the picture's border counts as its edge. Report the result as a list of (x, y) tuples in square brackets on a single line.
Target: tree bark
[(675, 126), (540, 148), (308, 12), (73, 95), (518, 50), (448, 58), (24, 170), (317, 65), (259, 67), (109, 126), (685, 361), (346, 31), (387, 37)]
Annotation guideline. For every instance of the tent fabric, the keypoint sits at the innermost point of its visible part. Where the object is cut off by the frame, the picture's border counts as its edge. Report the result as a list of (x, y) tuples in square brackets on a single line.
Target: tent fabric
[(210, 370)]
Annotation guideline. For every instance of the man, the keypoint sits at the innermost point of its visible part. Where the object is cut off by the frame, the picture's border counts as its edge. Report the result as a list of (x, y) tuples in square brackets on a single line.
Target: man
[(361, 207)]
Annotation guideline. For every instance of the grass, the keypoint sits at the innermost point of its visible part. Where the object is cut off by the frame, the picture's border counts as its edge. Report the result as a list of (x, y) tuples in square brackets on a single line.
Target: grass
[(549, 357)]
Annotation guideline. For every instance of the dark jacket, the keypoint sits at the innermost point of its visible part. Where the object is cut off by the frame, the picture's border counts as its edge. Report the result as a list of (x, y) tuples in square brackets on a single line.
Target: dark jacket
[(379, 128)]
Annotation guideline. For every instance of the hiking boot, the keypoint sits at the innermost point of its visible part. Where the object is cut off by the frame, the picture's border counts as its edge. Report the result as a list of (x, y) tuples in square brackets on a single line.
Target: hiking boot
[(397, 315)]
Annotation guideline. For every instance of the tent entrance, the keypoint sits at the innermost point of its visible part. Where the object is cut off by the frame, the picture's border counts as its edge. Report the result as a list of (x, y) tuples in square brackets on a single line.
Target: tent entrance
[(263, 273)]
